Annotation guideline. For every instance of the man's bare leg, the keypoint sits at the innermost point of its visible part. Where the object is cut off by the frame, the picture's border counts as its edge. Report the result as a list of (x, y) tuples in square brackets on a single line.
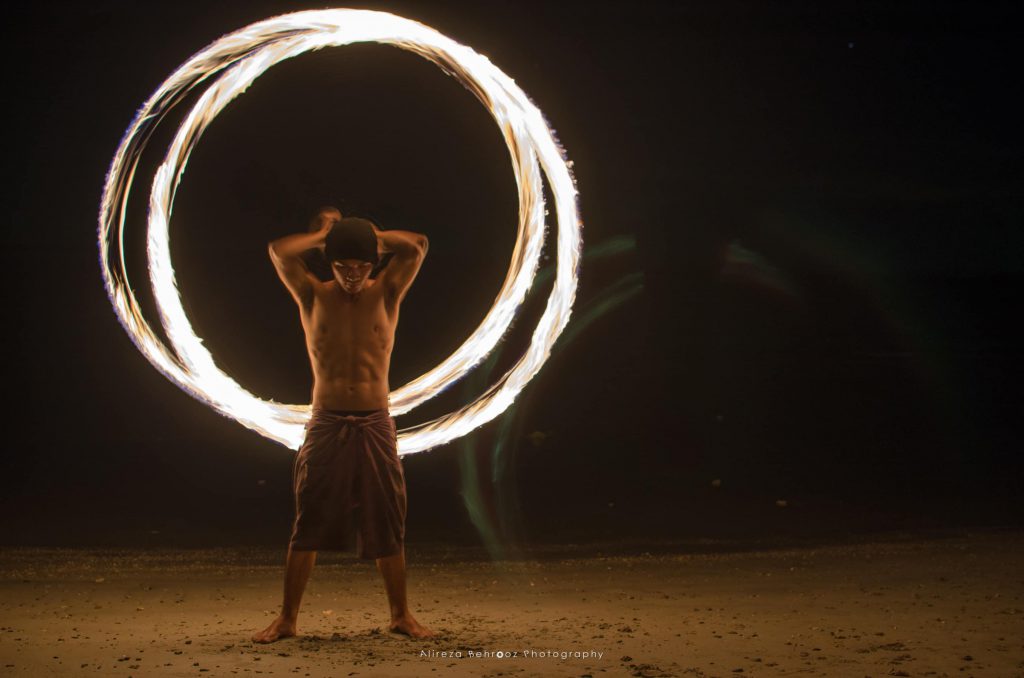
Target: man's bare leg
[(392, 568), (296, 574)]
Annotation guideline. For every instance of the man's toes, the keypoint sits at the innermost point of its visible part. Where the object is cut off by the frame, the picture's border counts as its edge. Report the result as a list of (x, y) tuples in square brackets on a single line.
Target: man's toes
[(266, 637), (413, 630)]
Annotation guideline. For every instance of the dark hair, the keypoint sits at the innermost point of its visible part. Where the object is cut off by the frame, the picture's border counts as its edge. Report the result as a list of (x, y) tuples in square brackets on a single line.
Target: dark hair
[(352, 238)]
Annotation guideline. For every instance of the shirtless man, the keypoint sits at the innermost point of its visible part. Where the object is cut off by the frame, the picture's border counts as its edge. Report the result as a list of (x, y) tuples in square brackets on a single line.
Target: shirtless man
[(349, 458)]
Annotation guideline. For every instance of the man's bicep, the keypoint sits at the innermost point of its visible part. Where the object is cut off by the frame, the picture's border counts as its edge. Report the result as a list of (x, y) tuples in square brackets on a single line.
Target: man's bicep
[(295, 276), (402, 270)]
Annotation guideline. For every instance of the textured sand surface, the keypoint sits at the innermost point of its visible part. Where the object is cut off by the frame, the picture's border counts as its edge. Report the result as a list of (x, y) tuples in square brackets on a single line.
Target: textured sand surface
[(898, 605)]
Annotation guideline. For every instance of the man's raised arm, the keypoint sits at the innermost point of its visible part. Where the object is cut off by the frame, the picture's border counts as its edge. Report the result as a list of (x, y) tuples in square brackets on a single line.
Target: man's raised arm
[(285, 253), (409, 249)]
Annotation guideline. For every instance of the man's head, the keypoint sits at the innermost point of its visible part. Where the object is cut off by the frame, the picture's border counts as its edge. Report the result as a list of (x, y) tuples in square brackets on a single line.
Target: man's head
[(351, 250)]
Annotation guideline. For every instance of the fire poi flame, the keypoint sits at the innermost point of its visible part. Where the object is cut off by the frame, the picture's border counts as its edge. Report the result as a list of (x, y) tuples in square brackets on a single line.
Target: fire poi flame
[(240, 58)]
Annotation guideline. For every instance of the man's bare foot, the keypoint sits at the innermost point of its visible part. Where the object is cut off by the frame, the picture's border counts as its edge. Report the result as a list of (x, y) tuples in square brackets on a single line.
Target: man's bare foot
[(278, 629), (410, 627)]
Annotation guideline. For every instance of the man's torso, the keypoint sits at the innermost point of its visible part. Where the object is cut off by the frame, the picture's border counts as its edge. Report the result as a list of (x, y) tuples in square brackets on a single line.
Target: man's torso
[(349, 339)]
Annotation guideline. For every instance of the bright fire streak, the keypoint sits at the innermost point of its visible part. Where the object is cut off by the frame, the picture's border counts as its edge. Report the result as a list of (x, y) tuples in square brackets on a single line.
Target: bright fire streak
[(246, 54)]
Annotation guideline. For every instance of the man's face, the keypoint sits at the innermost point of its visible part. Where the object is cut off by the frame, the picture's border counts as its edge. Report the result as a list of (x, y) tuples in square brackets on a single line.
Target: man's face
[(351, 274)]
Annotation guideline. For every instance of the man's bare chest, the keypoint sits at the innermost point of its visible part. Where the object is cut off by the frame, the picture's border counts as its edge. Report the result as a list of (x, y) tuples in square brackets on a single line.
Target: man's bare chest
[(364, 323)]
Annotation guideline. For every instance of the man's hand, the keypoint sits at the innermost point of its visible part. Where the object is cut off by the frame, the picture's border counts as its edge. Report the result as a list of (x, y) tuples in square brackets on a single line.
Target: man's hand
[(381, 247), (326, 219)]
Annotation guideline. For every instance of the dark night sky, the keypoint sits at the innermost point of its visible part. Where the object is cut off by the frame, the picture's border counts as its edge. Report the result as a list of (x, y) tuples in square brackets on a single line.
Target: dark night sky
[(826, 207)]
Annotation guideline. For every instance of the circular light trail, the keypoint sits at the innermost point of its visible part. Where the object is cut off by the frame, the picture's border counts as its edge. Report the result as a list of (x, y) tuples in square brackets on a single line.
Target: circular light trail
[(240, 58)]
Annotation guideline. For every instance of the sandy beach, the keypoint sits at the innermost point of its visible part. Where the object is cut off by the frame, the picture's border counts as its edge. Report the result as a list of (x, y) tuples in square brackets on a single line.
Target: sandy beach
[(893, 605)]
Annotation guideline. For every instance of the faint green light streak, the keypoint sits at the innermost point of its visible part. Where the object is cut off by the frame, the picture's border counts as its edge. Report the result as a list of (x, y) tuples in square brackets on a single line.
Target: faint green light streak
[(499, 524)]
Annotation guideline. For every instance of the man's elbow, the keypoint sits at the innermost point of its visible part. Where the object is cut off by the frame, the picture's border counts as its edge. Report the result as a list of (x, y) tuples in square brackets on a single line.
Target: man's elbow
[(274, 250)]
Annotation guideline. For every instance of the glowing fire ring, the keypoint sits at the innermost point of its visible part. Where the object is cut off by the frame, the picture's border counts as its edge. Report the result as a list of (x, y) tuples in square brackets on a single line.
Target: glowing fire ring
[(246, 54)]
